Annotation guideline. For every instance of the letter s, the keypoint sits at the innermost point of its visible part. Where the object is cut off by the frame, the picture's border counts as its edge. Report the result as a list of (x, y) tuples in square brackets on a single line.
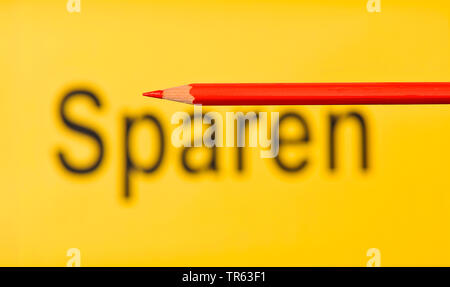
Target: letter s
[(82, 130)]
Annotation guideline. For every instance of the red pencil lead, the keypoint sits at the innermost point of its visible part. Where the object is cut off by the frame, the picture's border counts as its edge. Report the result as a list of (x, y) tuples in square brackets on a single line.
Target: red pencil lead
[(154, 94)]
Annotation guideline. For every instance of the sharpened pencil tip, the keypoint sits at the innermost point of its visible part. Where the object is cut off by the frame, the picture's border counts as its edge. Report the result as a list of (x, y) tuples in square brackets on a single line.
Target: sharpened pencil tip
[(154, 94)]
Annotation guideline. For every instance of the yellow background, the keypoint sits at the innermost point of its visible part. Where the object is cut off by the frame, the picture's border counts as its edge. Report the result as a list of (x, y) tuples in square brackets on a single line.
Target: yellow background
[(262, 216)]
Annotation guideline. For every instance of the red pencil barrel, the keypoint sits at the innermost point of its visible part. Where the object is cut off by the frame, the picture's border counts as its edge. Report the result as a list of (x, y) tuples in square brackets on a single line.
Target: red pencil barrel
[(321, 94)]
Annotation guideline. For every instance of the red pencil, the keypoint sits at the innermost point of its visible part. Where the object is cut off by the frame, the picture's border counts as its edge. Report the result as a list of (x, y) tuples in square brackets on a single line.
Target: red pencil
[(308, 94)]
